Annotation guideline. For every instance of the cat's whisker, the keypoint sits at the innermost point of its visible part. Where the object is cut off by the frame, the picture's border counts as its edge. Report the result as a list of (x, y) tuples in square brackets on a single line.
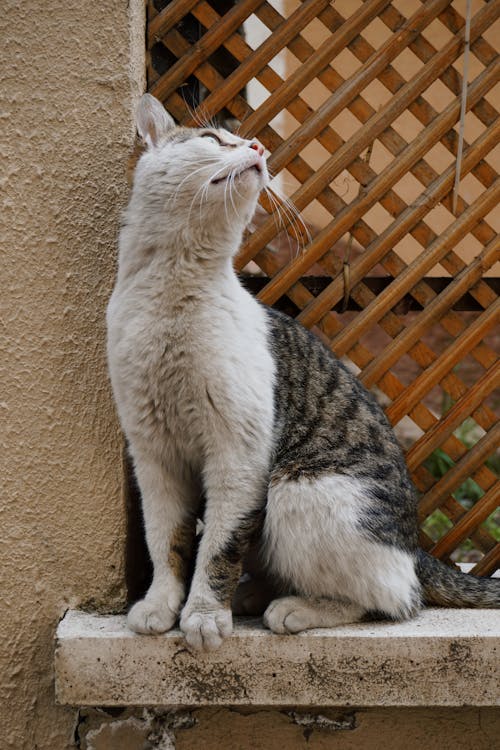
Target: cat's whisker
[(300, 227), (203, 193), (205, 121), (287, 216), (281, 207), (286, 199), (295, 219), (193, 113), (230, 179), (203, 190), (232, 188), (200, 192), (204, 187), (291, 241), (200, 116), (289, 203), (275, 212), (237, 191), (188, 177), (226, 185)]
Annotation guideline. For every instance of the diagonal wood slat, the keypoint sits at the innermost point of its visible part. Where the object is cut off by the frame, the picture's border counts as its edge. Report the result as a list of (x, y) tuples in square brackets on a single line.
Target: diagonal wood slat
[(334, 165), (421, 265), (358, 104), (387, 178), (252, 64), (480, 512), (290, 88), (439, 368), (463, 469), (162, 22), (387, 239), (455, 416)]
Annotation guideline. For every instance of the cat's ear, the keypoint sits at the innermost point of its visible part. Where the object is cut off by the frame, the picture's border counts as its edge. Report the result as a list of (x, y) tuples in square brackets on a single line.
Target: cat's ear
[(153, 120)]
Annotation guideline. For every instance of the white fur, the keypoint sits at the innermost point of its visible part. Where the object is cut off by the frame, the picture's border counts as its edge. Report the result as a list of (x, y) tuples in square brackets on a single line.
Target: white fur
[(313, 538), (188, 358), (291, 614), (153, 121)]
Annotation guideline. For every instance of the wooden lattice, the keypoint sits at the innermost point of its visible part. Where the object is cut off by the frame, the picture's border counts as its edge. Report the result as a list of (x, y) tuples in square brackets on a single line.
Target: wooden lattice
[(359, 104)]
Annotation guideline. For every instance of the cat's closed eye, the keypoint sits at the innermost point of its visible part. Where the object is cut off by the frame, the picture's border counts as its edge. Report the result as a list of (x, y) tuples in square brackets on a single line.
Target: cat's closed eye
[(213, 138)]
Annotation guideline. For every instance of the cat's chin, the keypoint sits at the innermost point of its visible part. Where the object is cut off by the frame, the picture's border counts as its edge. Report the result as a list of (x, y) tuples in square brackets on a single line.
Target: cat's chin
[(254, 169), (254, 174)]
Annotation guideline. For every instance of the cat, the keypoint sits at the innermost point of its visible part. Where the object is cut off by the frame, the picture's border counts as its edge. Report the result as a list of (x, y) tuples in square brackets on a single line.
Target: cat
[(222, 397)]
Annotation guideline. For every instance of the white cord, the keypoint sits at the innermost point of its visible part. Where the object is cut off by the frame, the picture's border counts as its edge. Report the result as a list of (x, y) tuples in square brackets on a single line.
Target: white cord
[(458, 166)]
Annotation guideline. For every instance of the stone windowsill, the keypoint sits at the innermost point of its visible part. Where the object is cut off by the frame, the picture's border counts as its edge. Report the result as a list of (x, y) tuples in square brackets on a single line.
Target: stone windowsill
[(443, 657)]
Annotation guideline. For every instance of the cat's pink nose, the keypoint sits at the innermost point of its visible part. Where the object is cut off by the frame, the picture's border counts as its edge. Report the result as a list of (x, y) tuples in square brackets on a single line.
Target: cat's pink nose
[(257, 147)]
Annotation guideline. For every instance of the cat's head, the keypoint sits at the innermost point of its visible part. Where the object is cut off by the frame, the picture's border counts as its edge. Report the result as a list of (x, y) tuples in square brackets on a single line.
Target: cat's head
[(201, 177)]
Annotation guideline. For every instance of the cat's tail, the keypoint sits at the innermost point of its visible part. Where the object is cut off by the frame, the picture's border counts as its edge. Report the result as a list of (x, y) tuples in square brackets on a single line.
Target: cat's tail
[(449, 587)]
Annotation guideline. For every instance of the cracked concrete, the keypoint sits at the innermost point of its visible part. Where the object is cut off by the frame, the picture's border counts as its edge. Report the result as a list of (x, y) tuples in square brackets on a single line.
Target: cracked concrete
[(131, 729), (126, 734), (272, 729)]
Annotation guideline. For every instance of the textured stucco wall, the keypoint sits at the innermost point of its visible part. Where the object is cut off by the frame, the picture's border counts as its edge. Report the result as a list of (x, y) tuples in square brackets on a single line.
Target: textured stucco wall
[(70, 76)]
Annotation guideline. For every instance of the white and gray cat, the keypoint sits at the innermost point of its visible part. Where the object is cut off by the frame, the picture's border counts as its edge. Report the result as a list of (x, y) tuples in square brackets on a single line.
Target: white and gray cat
[(223, 398)]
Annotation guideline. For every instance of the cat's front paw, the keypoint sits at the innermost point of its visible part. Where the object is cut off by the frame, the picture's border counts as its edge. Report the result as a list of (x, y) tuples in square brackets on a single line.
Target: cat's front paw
[(205, 630), (150, 616)]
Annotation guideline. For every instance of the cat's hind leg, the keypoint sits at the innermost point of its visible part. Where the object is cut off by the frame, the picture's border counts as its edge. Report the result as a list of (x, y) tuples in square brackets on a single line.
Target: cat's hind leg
[(319, 546), (291, 614)]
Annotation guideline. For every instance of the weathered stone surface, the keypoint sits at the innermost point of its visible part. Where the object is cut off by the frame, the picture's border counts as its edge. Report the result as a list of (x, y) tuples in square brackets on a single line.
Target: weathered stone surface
[(442, 658)]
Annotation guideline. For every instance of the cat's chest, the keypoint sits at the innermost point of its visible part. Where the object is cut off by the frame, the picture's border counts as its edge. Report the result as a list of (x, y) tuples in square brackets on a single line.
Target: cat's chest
[(175, 367)]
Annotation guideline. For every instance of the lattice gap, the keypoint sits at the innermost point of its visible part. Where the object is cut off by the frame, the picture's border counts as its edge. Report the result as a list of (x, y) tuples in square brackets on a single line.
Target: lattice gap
[(365, 138)]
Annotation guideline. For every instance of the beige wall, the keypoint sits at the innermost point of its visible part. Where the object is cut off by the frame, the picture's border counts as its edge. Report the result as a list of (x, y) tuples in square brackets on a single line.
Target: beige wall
[(70, 74)]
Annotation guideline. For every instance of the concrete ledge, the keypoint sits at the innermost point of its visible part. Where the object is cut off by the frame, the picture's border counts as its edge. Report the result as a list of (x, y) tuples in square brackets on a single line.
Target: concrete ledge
[(442, 658)]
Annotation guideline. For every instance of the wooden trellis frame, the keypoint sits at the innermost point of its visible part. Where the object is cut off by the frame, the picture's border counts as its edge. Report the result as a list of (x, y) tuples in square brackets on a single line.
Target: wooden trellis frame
[(199, 54)]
